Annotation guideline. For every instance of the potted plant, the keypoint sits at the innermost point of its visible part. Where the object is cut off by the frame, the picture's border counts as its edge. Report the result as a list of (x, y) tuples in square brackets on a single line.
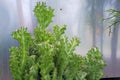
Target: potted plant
[(50, 55)]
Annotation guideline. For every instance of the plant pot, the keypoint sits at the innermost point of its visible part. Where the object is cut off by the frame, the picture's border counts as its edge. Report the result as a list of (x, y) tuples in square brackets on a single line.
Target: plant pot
[(111, 78)]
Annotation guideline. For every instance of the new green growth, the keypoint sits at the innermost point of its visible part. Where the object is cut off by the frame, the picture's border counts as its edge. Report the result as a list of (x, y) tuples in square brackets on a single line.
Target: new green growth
[(50, 55)]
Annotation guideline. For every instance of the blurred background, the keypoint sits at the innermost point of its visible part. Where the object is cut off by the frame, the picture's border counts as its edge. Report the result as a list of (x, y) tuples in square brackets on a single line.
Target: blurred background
[(83, 19)]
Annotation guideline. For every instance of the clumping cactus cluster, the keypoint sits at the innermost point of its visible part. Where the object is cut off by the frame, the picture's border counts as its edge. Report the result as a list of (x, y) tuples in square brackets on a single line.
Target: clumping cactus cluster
[(51, 55)]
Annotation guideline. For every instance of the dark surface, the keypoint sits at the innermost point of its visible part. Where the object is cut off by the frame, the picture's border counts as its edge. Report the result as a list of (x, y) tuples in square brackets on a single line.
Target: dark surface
[(112, 78)]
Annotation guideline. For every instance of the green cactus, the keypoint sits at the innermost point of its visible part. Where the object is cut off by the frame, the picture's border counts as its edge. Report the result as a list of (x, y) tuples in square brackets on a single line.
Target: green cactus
[(48, 55)]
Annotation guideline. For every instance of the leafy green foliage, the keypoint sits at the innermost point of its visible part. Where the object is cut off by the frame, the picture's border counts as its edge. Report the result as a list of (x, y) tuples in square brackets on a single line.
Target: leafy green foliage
[(43, 14), (20, 55), (50, 55), (113, 19), (94, 64)]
